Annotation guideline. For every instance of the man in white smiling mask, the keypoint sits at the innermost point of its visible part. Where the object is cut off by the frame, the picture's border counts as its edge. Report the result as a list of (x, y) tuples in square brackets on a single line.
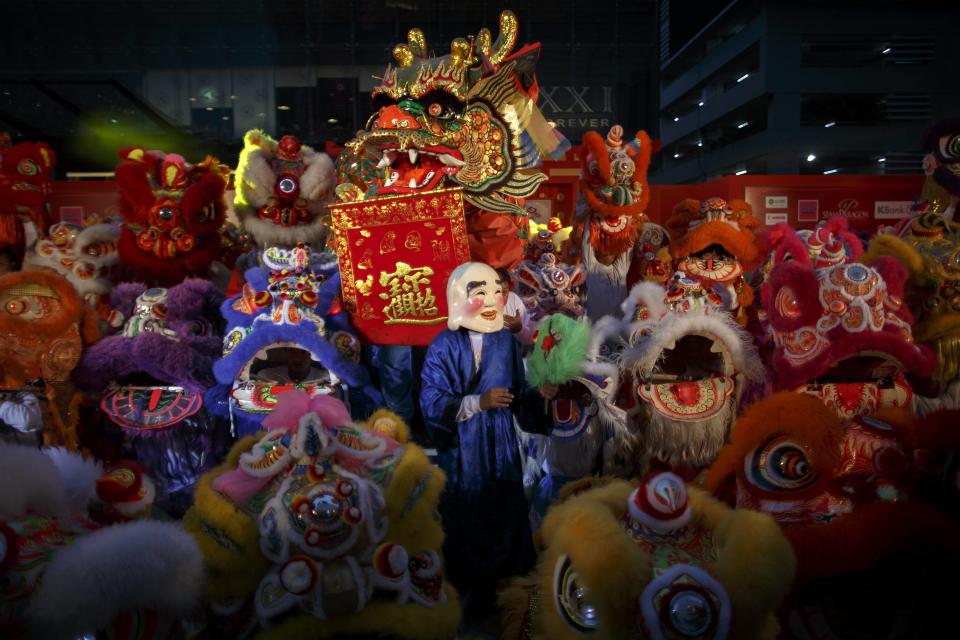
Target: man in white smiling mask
[(473, 387)]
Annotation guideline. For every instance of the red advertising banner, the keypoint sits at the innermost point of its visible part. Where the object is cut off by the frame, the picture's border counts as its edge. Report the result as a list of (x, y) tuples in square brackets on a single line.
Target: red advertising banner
[(867, 202), (395, 255), (801, 201)]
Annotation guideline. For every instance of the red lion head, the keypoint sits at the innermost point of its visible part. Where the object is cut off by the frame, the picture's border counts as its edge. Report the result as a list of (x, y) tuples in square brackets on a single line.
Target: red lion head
[(172, 215), (838, 322), (25, 170)]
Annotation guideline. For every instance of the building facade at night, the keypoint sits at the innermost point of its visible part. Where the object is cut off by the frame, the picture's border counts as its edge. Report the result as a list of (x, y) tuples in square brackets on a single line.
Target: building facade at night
[(778, 88)]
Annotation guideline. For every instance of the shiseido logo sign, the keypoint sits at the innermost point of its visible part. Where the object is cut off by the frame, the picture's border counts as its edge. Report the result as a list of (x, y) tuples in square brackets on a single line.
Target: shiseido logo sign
[(577, 107), (847, 208)]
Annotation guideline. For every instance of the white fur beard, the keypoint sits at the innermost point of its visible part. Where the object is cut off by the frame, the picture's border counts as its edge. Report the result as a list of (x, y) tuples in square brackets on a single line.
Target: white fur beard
[(692, 443), (670, 441)]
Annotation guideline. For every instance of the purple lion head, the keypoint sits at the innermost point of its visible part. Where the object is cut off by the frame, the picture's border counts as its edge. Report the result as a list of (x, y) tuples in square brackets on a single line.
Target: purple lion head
[(548, 286)]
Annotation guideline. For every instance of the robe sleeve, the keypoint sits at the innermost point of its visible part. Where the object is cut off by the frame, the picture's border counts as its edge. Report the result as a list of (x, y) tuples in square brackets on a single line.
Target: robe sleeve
[(440, 398)]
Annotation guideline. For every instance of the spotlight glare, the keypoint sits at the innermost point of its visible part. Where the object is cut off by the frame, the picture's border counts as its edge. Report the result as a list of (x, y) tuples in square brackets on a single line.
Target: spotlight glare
[(829, 171), (742, 124), (811, 157), (743, 77), (676, 118), (886, 51), (700, 104), (741, 172), (283, 107), (829, 124), (881, 159)]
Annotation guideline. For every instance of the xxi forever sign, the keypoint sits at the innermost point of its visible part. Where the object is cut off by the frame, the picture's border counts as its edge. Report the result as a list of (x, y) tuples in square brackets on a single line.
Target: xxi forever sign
[(574, 108)]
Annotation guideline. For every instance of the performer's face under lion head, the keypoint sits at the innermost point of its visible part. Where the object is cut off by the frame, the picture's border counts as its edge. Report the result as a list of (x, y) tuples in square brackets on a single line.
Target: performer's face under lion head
[(613, 185)]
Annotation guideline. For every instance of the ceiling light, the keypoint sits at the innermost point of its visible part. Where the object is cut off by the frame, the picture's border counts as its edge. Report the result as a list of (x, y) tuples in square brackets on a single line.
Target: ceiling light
[(741, 172), (233, 97), (676, 118), (811, 157), (881, 159), (829, 171), (283, 107), (742, 124), (743, 77), (331, 121), (114, 120), (886, 51), (192, 99), (225, 118), (700, 104), (677, 155), (699, 143), (829, 124), (209, 108), (262, 115)]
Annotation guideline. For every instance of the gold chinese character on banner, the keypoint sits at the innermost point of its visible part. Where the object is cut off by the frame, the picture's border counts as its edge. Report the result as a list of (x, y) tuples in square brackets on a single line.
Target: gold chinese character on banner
[(409, 297)]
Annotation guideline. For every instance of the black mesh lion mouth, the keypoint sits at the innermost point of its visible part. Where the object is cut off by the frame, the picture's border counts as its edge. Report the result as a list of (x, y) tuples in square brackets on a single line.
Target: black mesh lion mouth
[(692, 357), (874, 367)]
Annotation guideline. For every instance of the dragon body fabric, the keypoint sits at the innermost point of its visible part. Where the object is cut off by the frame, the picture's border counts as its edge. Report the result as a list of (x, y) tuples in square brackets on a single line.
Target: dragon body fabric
[(466, 119), (25, 177)]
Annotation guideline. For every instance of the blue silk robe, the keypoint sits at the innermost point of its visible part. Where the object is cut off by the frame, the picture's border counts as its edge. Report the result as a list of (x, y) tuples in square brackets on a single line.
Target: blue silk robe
[(483, 507)]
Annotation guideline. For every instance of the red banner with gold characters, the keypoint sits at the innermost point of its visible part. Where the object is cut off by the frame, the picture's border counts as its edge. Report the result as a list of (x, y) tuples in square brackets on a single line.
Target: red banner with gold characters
[(395, 255)]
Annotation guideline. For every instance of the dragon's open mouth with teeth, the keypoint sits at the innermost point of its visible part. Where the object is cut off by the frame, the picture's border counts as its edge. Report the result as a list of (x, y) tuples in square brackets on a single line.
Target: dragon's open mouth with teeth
[(412, 170)]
